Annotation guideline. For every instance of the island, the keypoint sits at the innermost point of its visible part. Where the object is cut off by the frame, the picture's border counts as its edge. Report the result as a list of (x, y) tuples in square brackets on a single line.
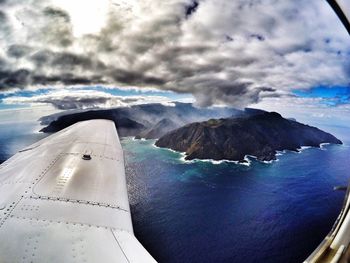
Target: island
[(259, 135), (148, 121)]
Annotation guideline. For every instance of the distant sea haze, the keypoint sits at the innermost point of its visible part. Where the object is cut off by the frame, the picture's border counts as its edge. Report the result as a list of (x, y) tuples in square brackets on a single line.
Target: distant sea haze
[(16, 136), (203, 211)]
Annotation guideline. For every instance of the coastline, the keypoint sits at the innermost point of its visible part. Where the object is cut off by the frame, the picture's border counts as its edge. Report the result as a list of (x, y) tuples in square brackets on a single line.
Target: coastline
[(247, 158)]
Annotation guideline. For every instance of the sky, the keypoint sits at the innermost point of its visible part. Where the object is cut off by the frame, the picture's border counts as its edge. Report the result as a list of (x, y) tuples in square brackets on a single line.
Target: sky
[(286, 56)]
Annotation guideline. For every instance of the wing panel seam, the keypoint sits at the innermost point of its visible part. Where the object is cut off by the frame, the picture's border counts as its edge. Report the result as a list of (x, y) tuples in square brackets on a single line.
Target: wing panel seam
[(76, 201), (9, 211), (116, 239), (77, 224)]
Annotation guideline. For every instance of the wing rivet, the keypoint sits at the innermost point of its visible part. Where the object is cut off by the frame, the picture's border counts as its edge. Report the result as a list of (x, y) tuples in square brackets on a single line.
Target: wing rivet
[(86, 157)]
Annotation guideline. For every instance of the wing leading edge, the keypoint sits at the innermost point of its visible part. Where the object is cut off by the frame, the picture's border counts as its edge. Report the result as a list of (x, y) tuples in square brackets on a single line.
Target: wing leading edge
[(56, 206)]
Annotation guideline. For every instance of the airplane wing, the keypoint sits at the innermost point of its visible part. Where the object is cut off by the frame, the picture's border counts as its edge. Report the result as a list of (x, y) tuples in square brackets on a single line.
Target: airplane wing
[(64, 199)]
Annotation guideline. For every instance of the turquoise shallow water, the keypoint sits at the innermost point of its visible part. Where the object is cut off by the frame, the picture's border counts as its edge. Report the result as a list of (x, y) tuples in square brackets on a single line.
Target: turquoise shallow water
[(204, 212)]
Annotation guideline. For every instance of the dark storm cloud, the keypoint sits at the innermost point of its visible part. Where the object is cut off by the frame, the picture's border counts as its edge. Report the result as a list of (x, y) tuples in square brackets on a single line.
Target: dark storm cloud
[(2, 17), (71, 61), (58, 28), (65, 60), (258, 37), (191, 8), (41, 58), (18, 78), (135, 78), (5, 28), (222, 52), (23, 78), (18, 51), (56, 12), (67, 79), (267, 89), (3, 63)]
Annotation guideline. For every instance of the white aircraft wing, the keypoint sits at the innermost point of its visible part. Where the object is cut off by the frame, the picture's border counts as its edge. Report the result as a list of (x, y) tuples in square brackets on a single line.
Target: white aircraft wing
[(64, 199)]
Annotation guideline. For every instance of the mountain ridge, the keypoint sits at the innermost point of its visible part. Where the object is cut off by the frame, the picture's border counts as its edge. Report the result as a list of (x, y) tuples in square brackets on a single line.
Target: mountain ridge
[(143, 121), (260, 135)]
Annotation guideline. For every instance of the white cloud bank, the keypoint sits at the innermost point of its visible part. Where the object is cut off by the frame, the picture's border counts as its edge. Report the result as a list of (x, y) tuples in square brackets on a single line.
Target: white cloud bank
[(84, 99)]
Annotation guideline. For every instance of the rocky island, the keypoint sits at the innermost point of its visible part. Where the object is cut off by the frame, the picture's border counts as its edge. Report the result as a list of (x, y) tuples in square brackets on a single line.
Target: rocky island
[(260, 135)]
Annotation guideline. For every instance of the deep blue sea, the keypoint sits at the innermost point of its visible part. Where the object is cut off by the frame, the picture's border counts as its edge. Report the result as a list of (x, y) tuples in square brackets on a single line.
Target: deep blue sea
[(203, 212)]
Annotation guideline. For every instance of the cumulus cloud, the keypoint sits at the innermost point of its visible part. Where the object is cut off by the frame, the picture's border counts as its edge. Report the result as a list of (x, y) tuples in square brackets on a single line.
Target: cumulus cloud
[(84, 99), (312, 111), (222, 52)]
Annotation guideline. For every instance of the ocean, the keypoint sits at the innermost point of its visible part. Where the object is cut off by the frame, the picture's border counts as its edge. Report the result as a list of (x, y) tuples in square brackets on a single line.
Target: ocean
[(15, 136), (224, 212), (205, 212)]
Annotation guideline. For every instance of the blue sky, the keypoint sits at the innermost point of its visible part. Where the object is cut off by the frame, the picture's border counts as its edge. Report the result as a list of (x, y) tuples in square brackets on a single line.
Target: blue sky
[(331, 96)]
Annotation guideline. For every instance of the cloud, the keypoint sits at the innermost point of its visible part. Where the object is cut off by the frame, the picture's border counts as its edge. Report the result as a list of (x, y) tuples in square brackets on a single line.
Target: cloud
[(312, 111), (14, 78), (223, 52), (84, 99)]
